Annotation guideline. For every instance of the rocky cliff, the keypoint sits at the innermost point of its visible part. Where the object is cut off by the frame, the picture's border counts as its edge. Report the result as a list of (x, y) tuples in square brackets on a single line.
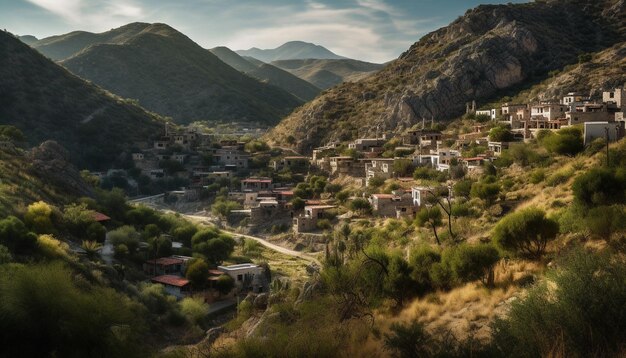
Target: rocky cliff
[(491, 49)]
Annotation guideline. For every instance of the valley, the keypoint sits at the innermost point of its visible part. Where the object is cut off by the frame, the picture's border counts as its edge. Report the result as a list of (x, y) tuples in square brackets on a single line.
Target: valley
[(161, 196)]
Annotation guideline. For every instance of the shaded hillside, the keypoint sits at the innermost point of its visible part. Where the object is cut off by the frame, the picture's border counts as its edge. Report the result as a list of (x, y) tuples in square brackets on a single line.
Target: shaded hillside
[(28, 39), (290, 51), (170, 74), (326, 73), (47, 102), (268, 74), (44, 173), (490, 49), (63, 46)]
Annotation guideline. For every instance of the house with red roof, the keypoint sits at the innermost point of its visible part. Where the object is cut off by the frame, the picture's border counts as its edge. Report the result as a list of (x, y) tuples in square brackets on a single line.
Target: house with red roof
[(176, 286)]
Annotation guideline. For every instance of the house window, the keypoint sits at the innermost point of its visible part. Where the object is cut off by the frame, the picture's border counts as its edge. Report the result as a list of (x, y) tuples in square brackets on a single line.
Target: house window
[(239, 278), (612, 95)]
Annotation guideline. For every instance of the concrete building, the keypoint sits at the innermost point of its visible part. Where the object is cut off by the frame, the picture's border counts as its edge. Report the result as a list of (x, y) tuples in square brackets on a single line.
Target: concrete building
[(547, 111), (294, 163), (589, 112), (593, 130), (308, 220), (367, 144), (497, 147), (386, 204), (379, 167), (256, 184), (421, 137), (616, 97), (419, 195), (247, 277)]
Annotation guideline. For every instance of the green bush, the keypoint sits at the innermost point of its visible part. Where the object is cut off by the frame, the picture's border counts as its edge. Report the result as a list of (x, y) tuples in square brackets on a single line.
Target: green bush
[(567, 141), (578, 311), (471, 262), (599, 186), (526, 231), (15, 236)]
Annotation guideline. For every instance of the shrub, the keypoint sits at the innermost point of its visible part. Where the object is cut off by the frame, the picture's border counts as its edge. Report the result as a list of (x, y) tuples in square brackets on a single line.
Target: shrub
[(5, 255), (198, 273), (361, 206), (323, 224), (471, 262), (486, 191), (599, 186), (537, 176), (52, 248), (224, 284), (38, 217), (463, 188), (557, 178), (95, 232), (15, 236), (409, 341), (375, 181), (77, 218), (194, 308), (500, 134), (567, 141), (126, 236), (421, 261), (526, 231), (586, 290)]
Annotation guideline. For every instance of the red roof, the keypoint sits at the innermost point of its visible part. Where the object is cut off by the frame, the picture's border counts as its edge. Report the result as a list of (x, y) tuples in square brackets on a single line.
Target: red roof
[(215, 272), (384, 196), (171, 280), (100, 217), (166, 261)]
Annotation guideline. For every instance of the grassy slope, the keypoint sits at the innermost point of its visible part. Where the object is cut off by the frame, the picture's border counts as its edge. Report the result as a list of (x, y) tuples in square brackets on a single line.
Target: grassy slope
[(47, 102), (184, 81), (326, 73), (268, 73)]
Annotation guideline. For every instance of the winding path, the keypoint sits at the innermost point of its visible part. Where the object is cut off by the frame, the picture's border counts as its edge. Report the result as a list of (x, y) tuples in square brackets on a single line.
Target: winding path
[(269, 245)]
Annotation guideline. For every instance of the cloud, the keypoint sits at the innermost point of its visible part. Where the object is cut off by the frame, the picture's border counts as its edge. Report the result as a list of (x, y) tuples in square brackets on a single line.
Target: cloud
[(92, 14)]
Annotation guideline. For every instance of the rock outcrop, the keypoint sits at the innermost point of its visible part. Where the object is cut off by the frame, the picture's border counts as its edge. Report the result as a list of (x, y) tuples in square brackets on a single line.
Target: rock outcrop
[(491, 50)]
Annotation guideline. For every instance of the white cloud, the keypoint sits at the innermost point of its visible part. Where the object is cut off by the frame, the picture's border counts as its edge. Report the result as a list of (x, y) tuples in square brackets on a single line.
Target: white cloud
[(92, 14)]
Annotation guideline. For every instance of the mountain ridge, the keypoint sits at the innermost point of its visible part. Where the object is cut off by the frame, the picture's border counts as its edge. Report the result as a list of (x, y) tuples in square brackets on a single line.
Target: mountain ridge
[(489, 49), (290, 51), (185, 81)]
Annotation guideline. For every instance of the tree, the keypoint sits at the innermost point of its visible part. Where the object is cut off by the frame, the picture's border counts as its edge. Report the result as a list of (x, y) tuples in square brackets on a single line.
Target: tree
[(12, 132), (472, 262), (500, 134), (599, 186), (398, 283), (360, 205), (15, 236), (224, 284), (486, 191), (402, 167), (38, 217), (527, 231), (77, 218), (567, 141), (604, 221), (161, 246), (213, 245), (421, 261), (463, 188), (184, 233), (95, 232), (198, 273), (430, 216), (342, 196), (223, 207), (297, 203), (126, 236)]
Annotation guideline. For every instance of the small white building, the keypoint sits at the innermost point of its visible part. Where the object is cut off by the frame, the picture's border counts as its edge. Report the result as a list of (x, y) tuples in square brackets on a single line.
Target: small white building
[(593, 130), (247, 277)]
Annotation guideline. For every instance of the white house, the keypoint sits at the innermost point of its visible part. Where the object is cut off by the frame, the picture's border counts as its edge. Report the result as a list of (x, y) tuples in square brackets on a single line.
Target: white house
[(247, 277)]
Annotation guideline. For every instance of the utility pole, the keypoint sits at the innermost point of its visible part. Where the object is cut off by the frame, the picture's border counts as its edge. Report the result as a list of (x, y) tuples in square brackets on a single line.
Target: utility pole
[(606, 130)]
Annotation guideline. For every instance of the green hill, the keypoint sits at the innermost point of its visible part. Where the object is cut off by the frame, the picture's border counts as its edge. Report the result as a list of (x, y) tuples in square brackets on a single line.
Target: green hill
[(169, 74), (46, 102), (326, 73), (268, 74)]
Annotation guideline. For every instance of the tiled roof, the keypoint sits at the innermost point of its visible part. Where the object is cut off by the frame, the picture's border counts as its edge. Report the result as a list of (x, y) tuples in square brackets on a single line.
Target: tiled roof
[(171, 280), (165, 261), (100, 217)]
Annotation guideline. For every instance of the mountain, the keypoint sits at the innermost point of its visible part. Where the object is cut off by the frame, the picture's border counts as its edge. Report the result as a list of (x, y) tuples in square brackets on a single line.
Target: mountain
[(268, 74), (490, 50), (326, 73), (292, 50), (168, 73), (28, 39), (46, 102)]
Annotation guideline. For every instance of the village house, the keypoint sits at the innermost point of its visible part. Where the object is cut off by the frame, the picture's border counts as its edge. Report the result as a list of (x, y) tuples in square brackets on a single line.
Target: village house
[(248, 277), (472, 163), (367, 144), (308, 220), (256, 184), (379, 167), (231, 159), (421, 137), (138, 156), (343, 165), (484, 112), (174, 285), (497, 147), (386, 204), (173, 265), (593, 130), (445, 158), (589, 112), (419, 195), (616, 97), (294, 163)]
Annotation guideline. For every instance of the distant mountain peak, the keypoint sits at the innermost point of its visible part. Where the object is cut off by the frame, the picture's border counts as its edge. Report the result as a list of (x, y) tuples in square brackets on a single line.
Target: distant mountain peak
[(291, 50)]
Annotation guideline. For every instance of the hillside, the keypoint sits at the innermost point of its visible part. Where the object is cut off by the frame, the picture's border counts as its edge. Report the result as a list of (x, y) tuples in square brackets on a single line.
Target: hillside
[(326, 73), (28, 39), (184, 81), (267, 73), (290, 51), (46, 102), (490, 49)]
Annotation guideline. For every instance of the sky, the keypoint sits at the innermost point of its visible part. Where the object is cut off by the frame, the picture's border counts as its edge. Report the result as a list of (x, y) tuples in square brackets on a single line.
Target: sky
[(369, 30)]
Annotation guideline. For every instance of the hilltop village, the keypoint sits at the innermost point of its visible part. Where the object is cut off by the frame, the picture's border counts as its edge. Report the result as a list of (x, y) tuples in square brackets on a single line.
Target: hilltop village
[(243, 183)]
